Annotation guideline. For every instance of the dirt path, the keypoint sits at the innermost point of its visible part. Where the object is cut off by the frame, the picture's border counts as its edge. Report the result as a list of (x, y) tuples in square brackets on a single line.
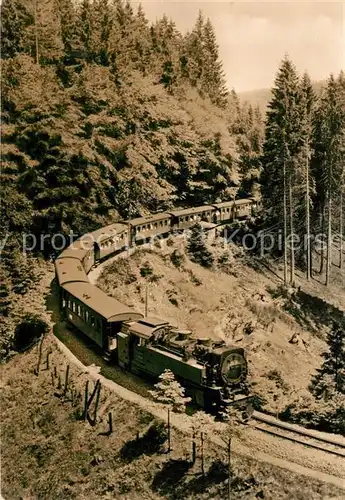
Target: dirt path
[(181, 422)]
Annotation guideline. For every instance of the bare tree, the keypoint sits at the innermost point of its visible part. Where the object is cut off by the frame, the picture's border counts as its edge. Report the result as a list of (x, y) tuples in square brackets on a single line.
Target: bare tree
[(203, 424), (227, 431)]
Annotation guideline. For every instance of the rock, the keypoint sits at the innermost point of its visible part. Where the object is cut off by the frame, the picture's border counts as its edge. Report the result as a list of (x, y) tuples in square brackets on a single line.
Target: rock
[(97, 459)]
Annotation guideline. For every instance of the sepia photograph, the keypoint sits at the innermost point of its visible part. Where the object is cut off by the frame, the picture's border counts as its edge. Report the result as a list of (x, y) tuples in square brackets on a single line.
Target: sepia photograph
[(172, 250)]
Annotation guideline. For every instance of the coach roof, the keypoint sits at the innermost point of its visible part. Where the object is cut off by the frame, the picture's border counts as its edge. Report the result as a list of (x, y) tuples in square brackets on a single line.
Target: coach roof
[(191, 211), (107, 232), (150, 218), (70, 269), (98, 301)]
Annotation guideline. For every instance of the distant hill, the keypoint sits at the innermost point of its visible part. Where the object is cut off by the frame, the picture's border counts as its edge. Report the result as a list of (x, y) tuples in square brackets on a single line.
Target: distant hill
[(261, 97)]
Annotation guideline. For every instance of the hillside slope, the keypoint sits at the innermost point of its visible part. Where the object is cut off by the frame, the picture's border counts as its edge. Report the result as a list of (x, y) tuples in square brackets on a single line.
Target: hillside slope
[(242, 302)]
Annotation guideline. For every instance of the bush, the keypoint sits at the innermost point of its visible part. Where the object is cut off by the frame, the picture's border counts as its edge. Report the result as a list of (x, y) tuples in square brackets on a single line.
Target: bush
[(29, 331), (197, 247), (146, 270), (177, 258)]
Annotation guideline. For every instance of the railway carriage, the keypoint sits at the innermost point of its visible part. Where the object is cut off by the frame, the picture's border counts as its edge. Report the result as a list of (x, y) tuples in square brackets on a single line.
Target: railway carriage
[(144, 228), (110, 240), (185, 218), (94, 313), (69, 270), (82, 250), (225, 211)]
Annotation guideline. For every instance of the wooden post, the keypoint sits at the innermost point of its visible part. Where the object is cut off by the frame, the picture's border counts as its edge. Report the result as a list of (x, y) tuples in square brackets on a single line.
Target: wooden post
[(169, 437), (97, 402), (86, 399), (229, 468), (40, 347), (66, 379), (59, 382), (110, 422), (53, 380), (55, 372), (48, 354), (202, 453), (146, 299), (193, 449)]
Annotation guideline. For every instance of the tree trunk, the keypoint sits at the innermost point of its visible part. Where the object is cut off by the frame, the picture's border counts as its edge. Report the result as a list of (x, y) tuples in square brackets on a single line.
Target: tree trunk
[(292, 234), (169, 438), (322, 253), (229, 468), (341, 230), (193, 449), (202, 453), (86, 399), (285, 224), (329, 238), (308, 218)]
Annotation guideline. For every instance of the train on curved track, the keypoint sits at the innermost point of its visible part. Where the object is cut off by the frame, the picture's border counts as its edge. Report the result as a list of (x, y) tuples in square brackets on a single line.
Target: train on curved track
[(213, 373)]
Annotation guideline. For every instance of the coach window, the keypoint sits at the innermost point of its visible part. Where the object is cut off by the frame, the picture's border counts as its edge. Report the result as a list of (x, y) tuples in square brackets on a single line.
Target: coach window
[(141, 342), (78, 309), (87, 316), (92, 320)]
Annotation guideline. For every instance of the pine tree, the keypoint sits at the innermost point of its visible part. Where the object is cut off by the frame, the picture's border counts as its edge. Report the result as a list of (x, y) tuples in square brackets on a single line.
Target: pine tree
[(280, 158), (213, 81), (328, 160), (305, 182), (171, 395), (193, 54), (68, 23), (14, 19), (197, 247), (331, 375)]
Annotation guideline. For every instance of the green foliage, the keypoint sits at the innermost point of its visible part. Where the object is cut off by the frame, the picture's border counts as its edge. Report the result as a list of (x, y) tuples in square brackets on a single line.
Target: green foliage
[(197, 248), (28, 331)]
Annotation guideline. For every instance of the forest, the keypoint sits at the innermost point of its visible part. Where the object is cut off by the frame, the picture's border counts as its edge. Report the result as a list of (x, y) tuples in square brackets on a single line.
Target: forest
[(106, 115)]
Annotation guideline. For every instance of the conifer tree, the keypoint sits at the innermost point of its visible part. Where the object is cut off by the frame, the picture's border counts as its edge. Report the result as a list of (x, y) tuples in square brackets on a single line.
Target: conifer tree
[(328, 160), (193, 62), (68, 23), (171, 395), (280, 158), (305, 182), (213, 80), (14, 19), (331, 375), (197, 247)]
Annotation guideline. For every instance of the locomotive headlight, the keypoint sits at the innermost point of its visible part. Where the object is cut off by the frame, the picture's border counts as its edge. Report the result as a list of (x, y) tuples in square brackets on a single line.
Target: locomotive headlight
[(234, 368)]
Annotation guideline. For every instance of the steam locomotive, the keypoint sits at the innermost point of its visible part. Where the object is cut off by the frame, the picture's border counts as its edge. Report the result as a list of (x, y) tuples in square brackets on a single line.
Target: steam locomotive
[(213, 374)]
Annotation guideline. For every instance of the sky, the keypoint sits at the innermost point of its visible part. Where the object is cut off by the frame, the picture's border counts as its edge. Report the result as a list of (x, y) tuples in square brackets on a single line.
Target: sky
[(254, 36)]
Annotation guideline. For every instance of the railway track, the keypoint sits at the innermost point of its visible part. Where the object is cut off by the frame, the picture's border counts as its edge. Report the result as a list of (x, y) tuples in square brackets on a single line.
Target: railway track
[(294, 433)]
